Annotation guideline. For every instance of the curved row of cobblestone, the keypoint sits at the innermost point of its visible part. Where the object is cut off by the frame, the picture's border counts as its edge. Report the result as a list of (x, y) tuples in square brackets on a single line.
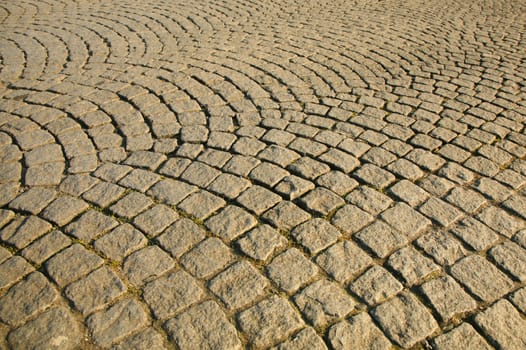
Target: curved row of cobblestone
[(277, 174)]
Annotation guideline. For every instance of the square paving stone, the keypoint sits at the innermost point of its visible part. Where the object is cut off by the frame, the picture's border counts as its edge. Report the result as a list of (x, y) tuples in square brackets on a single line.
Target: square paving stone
[(207, 258), (63, 209), (241, 165), (49, 174), (500, 221), (144, 159), (461, 337), (517, 204), (290, 270), (131, 205), (175, 166), (203, 326), (239, 285), (405, 169), (171, 293), (481, 278), (466, 199), (381, 238), (258, 199), (411, 265), (492, 189), (180, 237), (447, 297), (351, 219), (95, 290), (374, 176), (292, 187), (71, 264), (139, 180), (54, 328), (109, 326), (23, 230), (34, 200), (231, 223), (13, 269), (440, 211), (90, 225), (436, 185), (406, 220), (316, 235), (286, 215), (405, 320), (200, 174), (409, 192), (269, 322), (45, 247), (375, 285), (171, 192), (477, 235), (324, 302), (337, 182), (147, 264), (309, 168), (248, 146), (369, 200), (144, 340), (268, 174), (340, 160), (321, 201), (510, 257), (519, 299), (155, 220), (120, 242), (26, 299), (112, 172), (201, 204), (305, 339), (343, 335), (261, 243), (103, 194), (456, 173), (442, 246), (504, 324), (343, 260), (229, 185)]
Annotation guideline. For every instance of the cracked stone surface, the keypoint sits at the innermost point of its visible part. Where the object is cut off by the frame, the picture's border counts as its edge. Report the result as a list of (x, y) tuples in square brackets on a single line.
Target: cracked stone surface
[(276, 174)]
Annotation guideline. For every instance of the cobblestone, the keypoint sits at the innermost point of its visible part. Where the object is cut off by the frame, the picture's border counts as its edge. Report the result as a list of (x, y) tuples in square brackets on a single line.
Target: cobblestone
[(268, 158)]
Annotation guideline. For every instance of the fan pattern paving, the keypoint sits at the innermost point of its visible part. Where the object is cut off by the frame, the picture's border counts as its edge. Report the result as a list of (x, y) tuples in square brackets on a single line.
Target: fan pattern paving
[(262, 174)]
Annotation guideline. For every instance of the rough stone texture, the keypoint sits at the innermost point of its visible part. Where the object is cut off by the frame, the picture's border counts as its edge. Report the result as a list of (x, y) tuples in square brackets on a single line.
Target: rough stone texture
[(323, 302), (502, 323), (203, 326), (405, 320), (171, 293), (26, 299), (305, 339), (315, 235), (481, 278), (239, 285), (343, 335), (261, 242), (123, 318), (146, 264), (230, 223), (71, 264), (461, 337), (290, 270), (53, 329), (375, 285), (207, 258), (227, 134), (447, 297), (343, 260), (270, 321), (411, 265)]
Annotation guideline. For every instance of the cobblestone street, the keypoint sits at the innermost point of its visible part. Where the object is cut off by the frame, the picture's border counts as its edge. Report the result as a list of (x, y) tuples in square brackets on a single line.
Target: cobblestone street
[(278, 174)]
